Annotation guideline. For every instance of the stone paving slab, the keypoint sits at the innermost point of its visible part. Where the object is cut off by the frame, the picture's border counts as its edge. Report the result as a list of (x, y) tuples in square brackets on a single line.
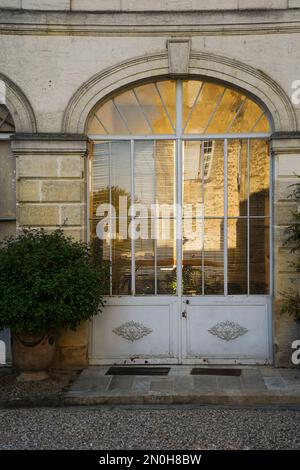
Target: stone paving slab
[(255, 385)]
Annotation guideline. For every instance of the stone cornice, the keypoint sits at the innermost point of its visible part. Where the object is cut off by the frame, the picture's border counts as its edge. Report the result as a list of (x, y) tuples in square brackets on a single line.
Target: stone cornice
[(154, 23)]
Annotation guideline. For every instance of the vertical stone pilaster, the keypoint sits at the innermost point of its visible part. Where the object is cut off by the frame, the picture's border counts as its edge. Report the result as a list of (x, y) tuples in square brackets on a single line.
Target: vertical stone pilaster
[(50, 194), (286, 156)]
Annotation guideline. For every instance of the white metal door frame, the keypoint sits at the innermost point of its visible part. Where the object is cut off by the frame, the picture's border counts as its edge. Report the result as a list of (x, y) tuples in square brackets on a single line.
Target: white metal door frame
[(181, 325)]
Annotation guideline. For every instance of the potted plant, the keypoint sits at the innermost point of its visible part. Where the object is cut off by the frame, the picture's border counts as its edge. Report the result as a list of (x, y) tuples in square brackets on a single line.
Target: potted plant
[(291, 302), (47, 281)]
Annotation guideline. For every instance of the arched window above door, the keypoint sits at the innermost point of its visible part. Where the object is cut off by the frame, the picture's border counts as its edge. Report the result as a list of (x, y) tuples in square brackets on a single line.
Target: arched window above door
[(154, 108)]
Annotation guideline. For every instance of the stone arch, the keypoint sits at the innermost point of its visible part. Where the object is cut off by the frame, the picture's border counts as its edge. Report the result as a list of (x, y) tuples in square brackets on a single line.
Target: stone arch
[(252, 81), (19, 107)]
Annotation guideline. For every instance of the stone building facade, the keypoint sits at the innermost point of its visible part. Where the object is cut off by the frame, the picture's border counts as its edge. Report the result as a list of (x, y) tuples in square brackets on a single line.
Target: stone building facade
[(60, 58)]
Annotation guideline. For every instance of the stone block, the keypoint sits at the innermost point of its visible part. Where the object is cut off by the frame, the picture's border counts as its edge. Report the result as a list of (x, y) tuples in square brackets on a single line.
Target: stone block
[(294, 3), (288, 165), (72, 166), (62, 191), (34, 166), (13, 4), (38, 215), (283, 213), (175, 5), (262, 4), (46, 5), (95, 5), (28, 191), (72, 215), (70, 338)]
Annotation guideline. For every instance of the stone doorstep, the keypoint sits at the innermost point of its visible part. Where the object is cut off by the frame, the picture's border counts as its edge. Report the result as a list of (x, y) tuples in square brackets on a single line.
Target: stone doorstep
[(255, 386), (237, 398)]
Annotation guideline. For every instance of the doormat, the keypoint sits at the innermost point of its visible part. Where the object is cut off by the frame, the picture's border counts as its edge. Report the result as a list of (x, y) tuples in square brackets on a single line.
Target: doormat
[(133, 370), (213, 371)]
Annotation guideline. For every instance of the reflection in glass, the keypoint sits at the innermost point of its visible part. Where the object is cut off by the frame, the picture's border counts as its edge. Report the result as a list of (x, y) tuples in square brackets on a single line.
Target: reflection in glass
[(214, 183), (121, 267), (237, 178), (213, 257), (225, 112), (166, 261), (237, 257), (154, 108), (144, 267), (6, 121), (259, 256), (192, 173), (204, 108), (151, 109), (192, 247), (259, 178)]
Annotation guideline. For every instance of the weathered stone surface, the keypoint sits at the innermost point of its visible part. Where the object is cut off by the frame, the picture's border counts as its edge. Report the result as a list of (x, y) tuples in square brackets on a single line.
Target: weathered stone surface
[(43, 166), (38, 215), (72, 215), (61, 191), (72, 166), (28, 191)]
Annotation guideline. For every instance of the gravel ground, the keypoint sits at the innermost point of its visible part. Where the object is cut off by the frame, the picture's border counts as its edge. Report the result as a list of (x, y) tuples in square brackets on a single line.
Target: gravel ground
[(57, 383), (150, 428)]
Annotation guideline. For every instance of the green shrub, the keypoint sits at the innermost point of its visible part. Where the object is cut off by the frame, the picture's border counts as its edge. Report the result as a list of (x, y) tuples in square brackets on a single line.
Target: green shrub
[(291, 302), (48, 280)]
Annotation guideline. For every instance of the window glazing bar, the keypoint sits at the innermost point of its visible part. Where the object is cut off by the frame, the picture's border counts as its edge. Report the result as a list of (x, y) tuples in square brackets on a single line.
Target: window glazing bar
[(164, 106), (110, 220), (236, 115), (121, 115), (248, 217), (179, 179), (203, 220), (193, 107), (132, 190), (225, 236), (215, 110), (142, 110), (101, 123), (258, 135)]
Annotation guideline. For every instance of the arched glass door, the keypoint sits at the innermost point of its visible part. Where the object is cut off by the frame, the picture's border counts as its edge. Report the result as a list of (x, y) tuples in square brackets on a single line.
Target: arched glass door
[(180, 197)]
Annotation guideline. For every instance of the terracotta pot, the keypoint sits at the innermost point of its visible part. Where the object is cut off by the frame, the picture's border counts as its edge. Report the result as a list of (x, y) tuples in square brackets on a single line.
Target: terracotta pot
[(33, 354)]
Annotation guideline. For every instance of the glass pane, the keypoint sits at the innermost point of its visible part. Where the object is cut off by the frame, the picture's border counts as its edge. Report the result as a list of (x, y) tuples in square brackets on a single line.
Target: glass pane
[(214, 178), (263, 125), (144, 171), (101, 252), (259, 256), (192, 247), (120, 173), (204, 108), (6, 122), (237, 178), (166, 260), (111, 176), (259, 177), (165, 172), (167, 89), (7, 180), (247, 117), (145, 265), (153, 107), (225, 113), (190, 92), (132, 112), (111, 120), (121, 267), (237, 256), (192, 175), (213, 257), (7, 229), (100, 177)]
